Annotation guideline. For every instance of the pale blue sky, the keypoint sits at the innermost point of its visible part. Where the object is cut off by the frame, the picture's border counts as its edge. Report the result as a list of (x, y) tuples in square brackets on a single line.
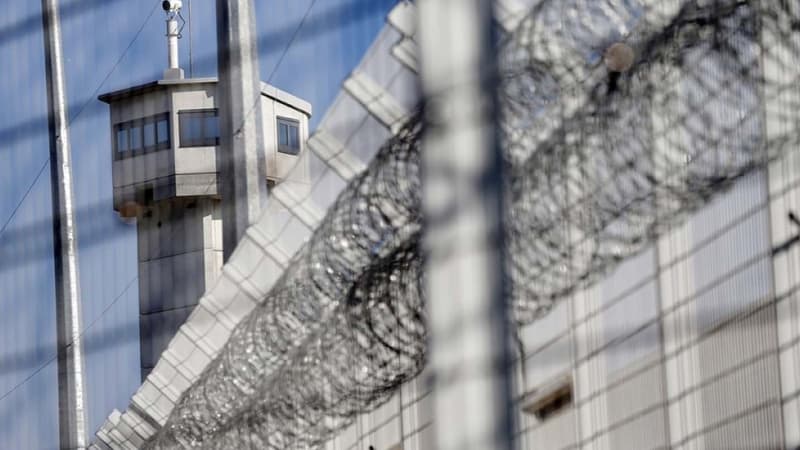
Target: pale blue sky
[(96, 34)]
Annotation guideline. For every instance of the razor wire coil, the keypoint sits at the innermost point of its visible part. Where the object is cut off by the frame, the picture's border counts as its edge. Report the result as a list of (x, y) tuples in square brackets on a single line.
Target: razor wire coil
[(600, 161)]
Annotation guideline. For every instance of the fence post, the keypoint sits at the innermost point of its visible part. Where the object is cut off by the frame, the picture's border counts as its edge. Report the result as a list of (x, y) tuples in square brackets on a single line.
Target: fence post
[(464, 235)]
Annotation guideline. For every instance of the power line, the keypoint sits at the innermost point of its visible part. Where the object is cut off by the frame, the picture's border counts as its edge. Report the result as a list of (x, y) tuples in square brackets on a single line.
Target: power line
[(39, 174), (86, 329), (28, 25), (83, 107), (292, 39), (315, 26), (117, 63), (88, 101), (286, 49), (22, 200), (80, 111)]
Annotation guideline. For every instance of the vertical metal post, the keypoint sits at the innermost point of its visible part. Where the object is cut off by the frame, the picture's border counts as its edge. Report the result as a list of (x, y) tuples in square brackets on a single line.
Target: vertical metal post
[(191, 62), (240, 160), (470, 354), (71, 367), (172, 43)]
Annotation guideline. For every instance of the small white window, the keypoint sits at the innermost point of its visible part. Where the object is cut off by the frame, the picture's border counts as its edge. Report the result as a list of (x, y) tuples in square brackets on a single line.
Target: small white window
[(288, 136)]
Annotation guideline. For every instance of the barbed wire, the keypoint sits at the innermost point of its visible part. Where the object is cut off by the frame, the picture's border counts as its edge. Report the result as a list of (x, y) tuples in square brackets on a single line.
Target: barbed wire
[(619, 119), (647, 146)]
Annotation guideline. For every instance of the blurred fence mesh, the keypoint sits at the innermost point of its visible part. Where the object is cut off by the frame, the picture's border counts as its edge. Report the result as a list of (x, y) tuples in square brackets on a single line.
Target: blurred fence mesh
[(604, 153)]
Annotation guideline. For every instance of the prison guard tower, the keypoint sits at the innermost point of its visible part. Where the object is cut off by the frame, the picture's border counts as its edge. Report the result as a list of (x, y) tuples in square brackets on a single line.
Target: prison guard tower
[(164, 139)]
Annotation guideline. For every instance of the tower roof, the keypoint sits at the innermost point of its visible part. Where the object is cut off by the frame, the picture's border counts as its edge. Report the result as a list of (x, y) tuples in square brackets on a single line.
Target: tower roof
[(153, 86)]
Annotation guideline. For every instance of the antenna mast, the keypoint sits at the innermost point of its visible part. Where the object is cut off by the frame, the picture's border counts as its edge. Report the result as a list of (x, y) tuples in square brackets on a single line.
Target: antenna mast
[(191, 65), (173, 10)]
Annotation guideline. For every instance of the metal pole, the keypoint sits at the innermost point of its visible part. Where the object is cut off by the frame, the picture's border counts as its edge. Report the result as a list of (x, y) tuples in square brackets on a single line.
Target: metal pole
[(172, 43), (71, 367), (240, 160), (191, 63), (470, 354)]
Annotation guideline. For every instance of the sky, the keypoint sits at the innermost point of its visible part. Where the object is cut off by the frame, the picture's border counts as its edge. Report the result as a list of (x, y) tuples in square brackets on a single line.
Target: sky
[(307, 48)]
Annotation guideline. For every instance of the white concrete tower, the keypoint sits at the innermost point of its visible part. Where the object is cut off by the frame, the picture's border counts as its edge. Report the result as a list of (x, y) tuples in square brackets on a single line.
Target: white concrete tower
[(165, 136)]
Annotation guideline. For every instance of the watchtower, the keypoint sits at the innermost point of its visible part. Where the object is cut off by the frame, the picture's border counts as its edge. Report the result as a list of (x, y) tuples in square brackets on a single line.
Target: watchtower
[(164, 139)]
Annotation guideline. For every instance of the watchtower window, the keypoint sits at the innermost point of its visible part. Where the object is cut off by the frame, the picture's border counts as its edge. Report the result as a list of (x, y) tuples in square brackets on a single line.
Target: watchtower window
[(199, 128), (142, 135), (288, 136), (135, 134), (122, 139), (149, 131), (162, 131)]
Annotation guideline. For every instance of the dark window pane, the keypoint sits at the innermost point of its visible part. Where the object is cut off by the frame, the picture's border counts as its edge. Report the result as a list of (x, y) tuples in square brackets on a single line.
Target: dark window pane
[(283, 134), (149, 130), (194, 129), (122, 139), (136, 137), (294, 137), (211, 131), (191, 129), (199, 128), (162, 127), (183, 129)]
